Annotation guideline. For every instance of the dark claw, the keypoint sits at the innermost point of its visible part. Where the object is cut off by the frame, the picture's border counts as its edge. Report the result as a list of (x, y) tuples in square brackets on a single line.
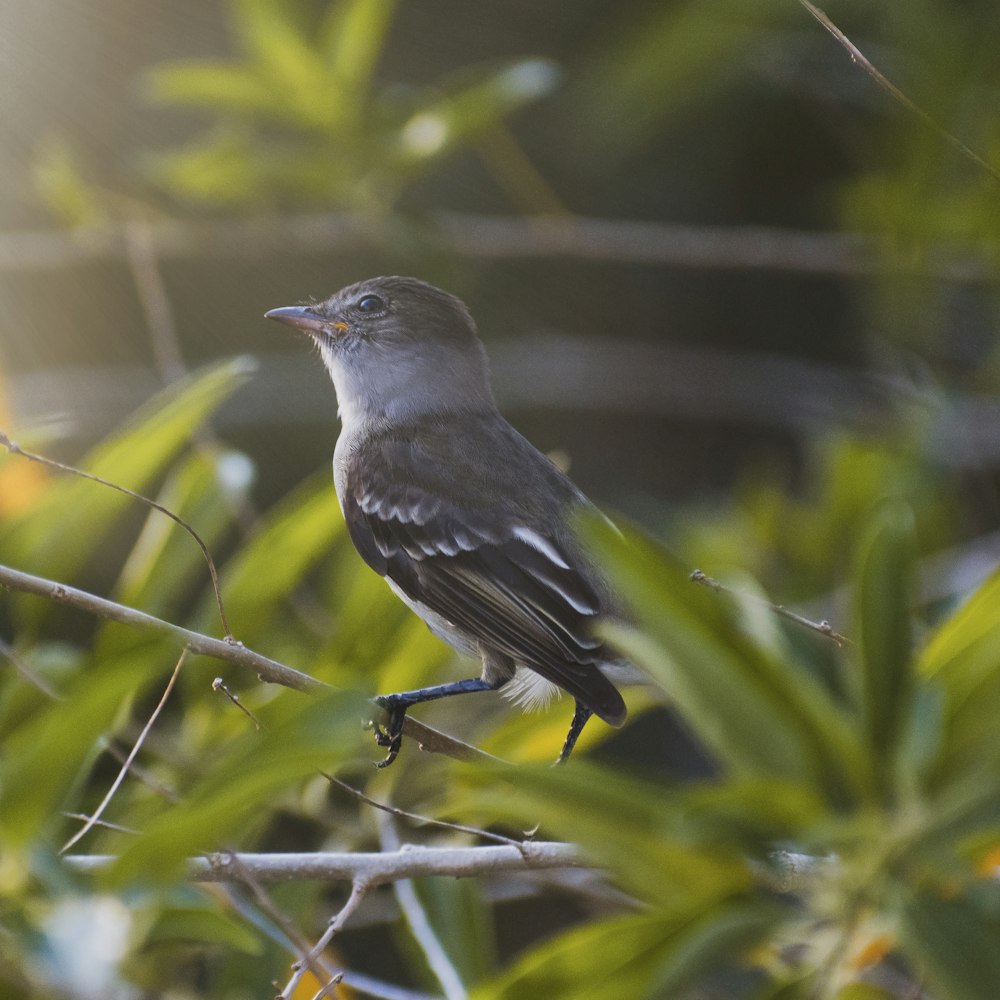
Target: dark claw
[(390, 735)]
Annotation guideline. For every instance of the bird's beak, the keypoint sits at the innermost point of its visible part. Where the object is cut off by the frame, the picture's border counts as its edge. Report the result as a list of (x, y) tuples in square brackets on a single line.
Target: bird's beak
[(303, 318)]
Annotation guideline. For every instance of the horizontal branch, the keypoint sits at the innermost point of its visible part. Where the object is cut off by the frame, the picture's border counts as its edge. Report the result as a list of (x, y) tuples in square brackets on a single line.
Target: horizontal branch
[(369, 868), (492, 237), (229, 651), (219, 649)]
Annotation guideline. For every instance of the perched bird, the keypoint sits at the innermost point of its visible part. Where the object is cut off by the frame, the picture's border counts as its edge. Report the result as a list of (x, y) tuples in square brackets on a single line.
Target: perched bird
[(465, 519)]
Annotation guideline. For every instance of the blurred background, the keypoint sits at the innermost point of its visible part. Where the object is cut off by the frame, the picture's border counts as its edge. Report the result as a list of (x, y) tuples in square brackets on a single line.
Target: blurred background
[(741, 291), (696, 237)]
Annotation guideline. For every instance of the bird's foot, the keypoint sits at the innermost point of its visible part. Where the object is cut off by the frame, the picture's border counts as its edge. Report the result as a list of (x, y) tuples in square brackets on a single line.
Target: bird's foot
[(390, 735)]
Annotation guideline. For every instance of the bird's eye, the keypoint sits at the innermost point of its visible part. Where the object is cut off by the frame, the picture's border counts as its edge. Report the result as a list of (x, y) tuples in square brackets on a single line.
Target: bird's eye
[(370, 304)]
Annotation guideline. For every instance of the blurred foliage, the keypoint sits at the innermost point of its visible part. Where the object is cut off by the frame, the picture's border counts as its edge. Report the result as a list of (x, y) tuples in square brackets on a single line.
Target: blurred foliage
[(845, 847), (300, 120), (881, 774)]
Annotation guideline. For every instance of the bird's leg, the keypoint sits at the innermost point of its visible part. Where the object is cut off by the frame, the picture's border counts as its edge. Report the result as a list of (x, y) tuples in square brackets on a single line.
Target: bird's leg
[(580, 717), (396, 706)]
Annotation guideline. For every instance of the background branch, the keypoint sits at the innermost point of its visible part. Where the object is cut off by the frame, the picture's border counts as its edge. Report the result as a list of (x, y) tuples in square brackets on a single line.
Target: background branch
[(492, 237)]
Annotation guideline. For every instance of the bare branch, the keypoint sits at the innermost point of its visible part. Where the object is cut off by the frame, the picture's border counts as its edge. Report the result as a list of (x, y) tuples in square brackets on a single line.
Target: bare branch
[(219, 685), (271, 671), (416, 817), (309, 959), (860, 59), (358, 889), (371, 868), (229, 651), (26, 673), (494, 237), (822, 627)]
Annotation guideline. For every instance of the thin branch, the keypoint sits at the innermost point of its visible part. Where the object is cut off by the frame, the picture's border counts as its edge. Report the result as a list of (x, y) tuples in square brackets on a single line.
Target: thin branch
[(308, 958), (26, 673), (140, 254), (219, 685), (822, 627), (890, 88), (16, 449), (416, 817), (372, 868), (419, 923), (102, 823), (336, 923), (229, 651), (116, 784)]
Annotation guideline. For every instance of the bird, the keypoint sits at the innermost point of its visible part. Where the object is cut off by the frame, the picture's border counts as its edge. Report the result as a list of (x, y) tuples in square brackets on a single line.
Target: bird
[(469, 523)]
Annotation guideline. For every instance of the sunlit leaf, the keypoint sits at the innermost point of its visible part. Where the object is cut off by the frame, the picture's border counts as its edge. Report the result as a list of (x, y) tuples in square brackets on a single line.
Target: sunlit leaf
[(71, 523), (288, 542), (635, 956), (352, 35), (217, 86)]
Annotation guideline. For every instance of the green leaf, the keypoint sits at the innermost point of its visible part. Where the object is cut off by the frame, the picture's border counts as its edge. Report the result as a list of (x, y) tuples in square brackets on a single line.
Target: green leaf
[(649, 845), (759, 714), (952, 940), (202, 926), (72, 522), (289, 62), (290, 539), (469, 109), (165, 567), (637, 956), (883, 609), (300, 736), (215, 85), (462, 922), (44, 757), (352, 35)]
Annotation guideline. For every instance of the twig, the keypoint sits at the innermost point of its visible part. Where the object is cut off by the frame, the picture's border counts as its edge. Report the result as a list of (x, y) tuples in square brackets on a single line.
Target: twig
[(420, 925), (822, 627), (890, 88), (140, 773), (116, 784), (376, 868), (230, 651), (308, 959), (140, 254), (359, 887), (271, 671), (16, 449), (219, 685), (102, 823), (416, 817), (24, 671)]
